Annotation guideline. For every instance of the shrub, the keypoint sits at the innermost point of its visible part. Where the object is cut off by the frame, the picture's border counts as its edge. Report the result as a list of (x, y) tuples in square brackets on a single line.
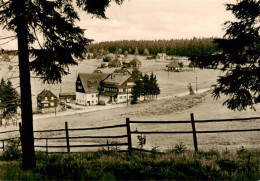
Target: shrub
[(12, 150), (180, 148)]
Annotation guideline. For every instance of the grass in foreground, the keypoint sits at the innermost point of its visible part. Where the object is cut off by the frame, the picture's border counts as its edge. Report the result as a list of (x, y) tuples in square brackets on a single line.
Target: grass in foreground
[(104, 165)]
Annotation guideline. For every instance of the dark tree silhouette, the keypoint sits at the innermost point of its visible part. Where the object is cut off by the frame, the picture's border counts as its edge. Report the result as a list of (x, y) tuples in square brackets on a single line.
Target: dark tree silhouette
[(63, 41), (238, 57), (9, 97)]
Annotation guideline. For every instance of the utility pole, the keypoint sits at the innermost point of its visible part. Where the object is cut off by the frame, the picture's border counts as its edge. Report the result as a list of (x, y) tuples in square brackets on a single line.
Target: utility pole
[(127, 96), (196, 86)]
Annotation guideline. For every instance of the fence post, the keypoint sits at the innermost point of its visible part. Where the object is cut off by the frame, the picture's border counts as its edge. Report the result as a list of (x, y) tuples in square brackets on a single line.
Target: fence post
[(3, 145), (20, 130), (67, 136), (129, 135), (46, 146), (194, 132)]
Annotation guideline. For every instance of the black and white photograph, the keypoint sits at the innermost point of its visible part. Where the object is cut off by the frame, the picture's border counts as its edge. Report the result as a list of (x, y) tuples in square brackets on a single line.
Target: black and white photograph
[(129, 90)]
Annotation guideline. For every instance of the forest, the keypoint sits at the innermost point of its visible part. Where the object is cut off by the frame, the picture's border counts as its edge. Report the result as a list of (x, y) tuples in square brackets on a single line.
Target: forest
[(178, 47)]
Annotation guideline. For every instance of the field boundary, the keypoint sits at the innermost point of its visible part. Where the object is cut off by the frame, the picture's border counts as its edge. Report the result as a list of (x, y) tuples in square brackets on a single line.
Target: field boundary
[(69, 140)]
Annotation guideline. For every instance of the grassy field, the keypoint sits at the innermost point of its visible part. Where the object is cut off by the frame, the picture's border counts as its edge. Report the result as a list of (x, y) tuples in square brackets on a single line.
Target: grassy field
[(169, 82), (176, 164), (203, 107)]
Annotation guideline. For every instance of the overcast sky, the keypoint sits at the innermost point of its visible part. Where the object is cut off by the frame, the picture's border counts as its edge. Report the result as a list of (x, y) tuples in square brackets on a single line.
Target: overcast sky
[(154, 19)]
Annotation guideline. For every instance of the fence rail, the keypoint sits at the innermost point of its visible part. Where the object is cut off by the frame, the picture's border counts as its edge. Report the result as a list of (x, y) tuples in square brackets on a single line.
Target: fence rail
[(69, 139)]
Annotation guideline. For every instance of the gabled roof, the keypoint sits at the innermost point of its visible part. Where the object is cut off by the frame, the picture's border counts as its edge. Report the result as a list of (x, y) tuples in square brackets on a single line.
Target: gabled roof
[(97, 71), (116, 79), (135, 61), (114, 62), (91, 81), (122, 71), (44, 93), (172, 64)]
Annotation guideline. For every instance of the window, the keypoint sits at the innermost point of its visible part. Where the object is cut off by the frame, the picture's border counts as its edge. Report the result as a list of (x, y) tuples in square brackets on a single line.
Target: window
[(92, 95), (92, 102), (46, 98), (120, 97), (125, 97), (52, 103), (52, 98), (96, 95), (79, 87), (45, 105)]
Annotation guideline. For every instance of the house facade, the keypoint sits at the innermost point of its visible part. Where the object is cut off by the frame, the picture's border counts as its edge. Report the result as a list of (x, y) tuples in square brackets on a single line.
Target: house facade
[(46, 99), (87, 88), (67, 97), (135, 63), (114, 63), (116, 88), (161, 56), (173, 66)]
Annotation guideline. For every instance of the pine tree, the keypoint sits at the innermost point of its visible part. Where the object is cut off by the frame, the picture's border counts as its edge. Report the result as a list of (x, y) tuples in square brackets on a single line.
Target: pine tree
[(156, 88), (238, 57), (9, 97), (146, 86), (64, 42), (136, 91)]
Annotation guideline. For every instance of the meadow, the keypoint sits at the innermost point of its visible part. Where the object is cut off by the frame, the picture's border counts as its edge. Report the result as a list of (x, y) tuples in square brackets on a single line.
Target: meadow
[(167, 107)]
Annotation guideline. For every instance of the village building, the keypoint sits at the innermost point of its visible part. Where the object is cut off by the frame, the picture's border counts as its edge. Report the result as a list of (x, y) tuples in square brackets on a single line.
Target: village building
[(173, 66), (114, 63), (46, 99), (135, 63), (149, 57), (97, 71), (87, 88), (103, 65), (126, 64), (161, 56), (123, 71), (67, 97), (116, 88)]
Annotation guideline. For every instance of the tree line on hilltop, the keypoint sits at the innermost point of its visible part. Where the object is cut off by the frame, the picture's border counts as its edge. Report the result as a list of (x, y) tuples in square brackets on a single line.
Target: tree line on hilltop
[(179, 47)]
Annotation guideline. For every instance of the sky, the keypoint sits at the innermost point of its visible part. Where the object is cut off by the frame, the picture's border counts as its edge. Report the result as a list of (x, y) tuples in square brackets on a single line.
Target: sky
[(153, 19)]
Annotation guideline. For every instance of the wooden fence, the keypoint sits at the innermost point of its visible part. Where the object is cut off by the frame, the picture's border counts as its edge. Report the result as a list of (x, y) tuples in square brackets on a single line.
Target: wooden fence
[(69, 139)]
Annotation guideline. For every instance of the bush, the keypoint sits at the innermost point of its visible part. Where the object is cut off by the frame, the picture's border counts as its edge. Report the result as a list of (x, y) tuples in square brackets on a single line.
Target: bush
[(12, 150)]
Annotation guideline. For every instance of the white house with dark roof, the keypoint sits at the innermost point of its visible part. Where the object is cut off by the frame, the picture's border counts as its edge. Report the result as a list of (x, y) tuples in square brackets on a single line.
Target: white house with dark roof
[(87, 88), (161, 56), (116, 88)]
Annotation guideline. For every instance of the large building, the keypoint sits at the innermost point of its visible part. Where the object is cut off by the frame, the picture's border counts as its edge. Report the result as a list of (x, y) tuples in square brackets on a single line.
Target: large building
[(87, 88), (116, 88)]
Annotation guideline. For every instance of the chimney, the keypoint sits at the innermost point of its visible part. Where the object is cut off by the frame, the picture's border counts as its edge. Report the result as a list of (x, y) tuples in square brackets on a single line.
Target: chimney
[(112, 75)]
